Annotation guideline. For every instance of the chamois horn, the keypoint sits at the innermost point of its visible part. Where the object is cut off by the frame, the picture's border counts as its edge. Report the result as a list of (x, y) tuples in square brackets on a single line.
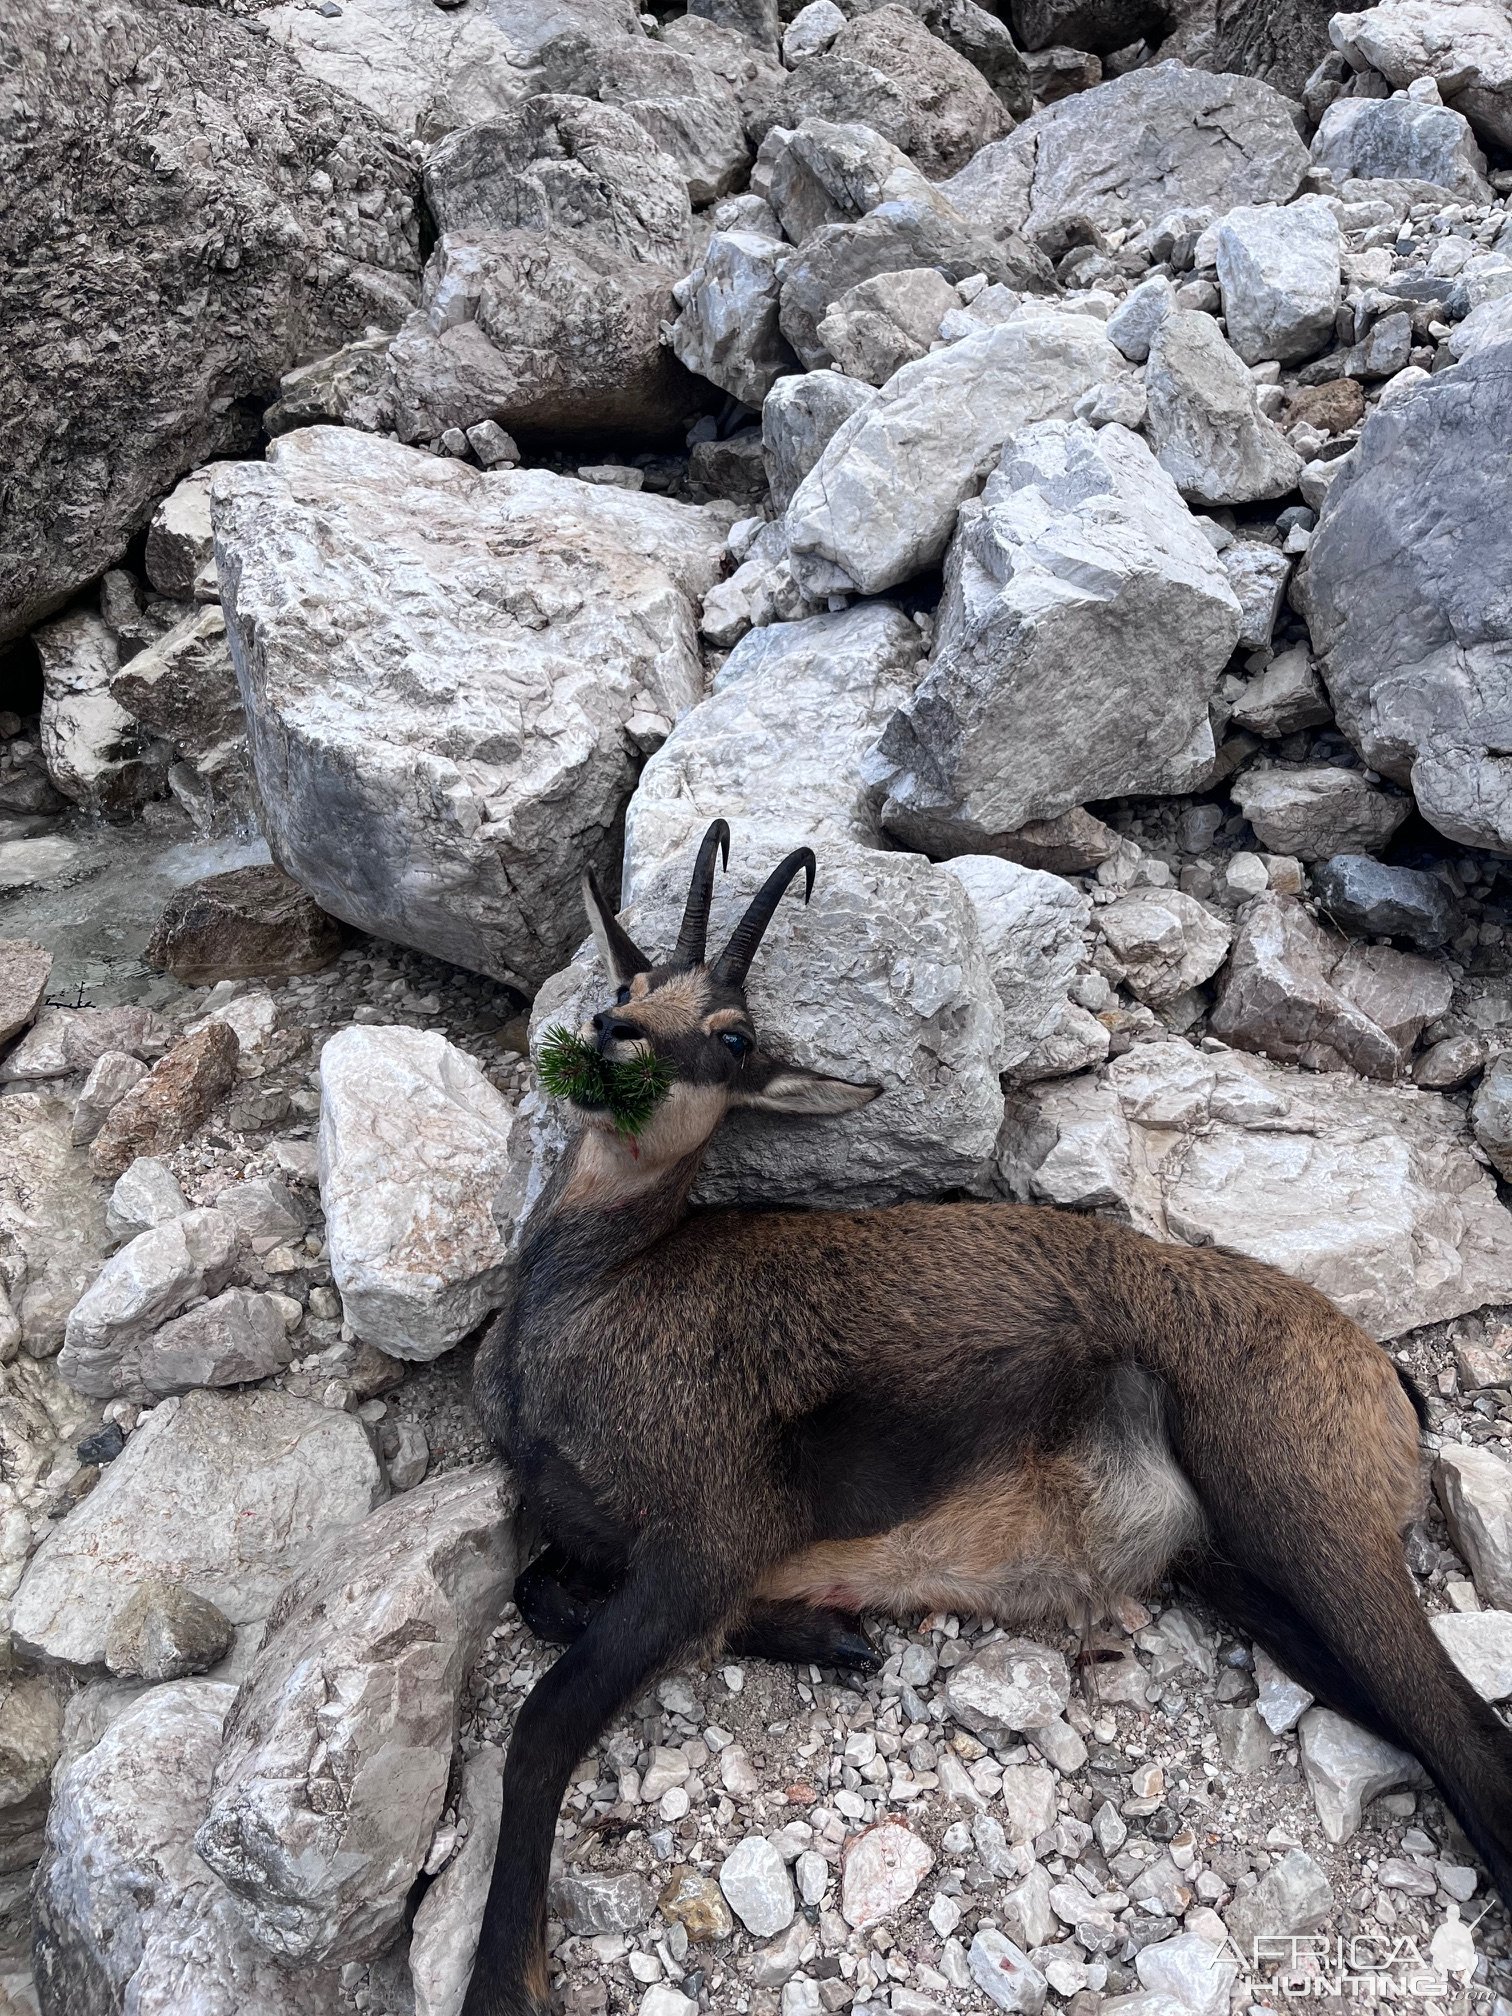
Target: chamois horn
[(695, 924), (734, 962)]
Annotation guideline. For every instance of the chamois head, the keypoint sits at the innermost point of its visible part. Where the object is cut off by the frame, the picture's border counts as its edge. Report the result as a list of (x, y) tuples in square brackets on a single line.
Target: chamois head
[(686, 1026)]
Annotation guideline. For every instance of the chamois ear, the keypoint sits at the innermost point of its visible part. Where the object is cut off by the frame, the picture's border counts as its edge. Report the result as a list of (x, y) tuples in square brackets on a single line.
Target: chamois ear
[(621, 956), (791, 1088)]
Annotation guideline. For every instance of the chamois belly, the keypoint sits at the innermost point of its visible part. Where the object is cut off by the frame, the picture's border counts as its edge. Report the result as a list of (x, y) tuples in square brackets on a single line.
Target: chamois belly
[(1046, 1536)]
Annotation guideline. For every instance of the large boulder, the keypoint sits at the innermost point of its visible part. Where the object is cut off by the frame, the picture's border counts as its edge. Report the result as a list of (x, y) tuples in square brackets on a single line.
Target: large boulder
[(1465, 46), (1368, 1192), (729, 330), (880, 503), (562, 163), (190, 214), (1317, 810), (886, 70), (96, 753), (227, 1492), (1403, 140), (337, 1755), (414, 1147), (437, 764), (1278, 266), (53, 1237), (1085, 624), (1204, 419), (1408, 593), (127, 1914), (778, 744), (884, 976), (1221, 141)]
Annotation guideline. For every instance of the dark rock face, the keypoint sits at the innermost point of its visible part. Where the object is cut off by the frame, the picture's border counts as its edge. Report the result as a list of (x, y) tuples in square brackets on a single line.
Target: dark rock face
[(250, 923), (192, 214), (1370, 897)]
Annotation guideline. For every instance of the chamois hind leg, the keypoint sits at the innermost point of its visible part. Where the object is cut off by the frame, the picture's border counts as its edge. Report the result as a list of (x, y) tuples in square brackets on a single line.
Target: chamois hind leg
[(793, 1633), (556, 1597), (667, 1604)]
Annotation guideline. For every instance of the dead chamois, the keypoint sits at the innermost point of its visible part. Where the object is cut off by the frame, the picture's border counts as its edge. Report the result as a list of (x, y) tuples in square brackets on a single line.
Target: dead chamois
[(754, 1426)]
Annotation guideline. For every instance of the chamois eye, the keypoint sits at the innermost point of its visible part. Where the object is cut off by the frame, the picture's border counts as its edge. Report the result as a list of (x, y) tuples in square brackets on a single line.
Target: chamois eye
[(734, 1042), (621, 996)]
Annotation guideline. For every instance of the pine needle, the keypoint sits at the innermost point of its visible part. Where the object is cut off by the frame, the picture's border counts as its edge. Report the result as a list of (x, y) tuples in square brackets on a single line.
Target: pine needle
[(628, 1090)]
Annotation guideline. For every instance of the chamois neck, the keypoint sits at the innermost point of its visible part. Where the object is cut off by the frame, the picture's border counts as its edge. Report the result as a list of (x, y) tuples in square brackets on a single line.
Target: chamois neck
[(608, 1204)]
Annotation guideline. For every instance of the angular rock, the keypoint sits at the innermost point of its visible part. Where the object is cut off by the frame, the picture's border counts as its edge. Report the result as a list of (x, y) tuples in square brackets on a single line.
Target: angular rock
[(147, 1195), (560, 163), (1005, 1974), (1204, 422), (1380, 901), (1297, 995), (1132, 325), (96, 754), (1407, 587), (1474, 1486), (1188, 1969), (778, 744), (552, 331), (175, 1099), (434, 773), (1491, 1114), (52, 1221), (1317, 812), (1225, 1149), (1278, 267), (1465, 46), (236, 1337), (1293, 1897), (1258, 576), (183, 688), (1081, 571), (111, 1078), (889, 944), (353, 1699), (825, 171), (1010, 1686), (164, 1631), (1346, 1767), (444, 1935), (1480, 1644), (882, 1868), (24, 971), (414, 1147), (811, 30), (884, 323), (1223, 141), (757, 1886), (1286, 695), (1280, 1702), (180, 553), (248, 923), (127, 1915), (187, 259), (728, 329), (1029, 1795), (67, 1040), (227, 1492), (1033, 928), (1166, 942), (1400, 139), (886, 70), (798, 418), (593, 1903)]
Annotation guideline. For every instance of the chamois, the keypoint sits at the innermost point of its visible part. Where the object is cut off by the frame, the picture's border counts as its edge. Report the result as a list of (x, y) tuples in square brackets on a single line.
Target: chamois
[(754, 1426)]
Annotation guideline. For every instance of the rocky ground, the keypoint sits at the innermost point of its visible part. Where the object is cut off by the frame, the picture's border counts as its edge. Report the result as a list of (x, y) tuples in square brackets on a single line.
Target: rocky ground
[(1054, 463)]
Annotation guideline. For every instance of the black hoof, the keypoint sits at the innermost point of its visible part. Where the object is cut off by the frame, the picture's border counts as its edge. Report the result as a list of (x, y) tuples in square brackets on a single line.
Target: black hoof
[(854, 1653)]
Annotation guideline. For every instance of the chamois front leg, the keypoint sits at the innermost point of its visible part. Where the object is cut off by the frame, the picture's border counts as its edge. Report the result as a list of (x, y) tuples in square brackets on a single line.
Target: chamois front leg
[(667, 1604)]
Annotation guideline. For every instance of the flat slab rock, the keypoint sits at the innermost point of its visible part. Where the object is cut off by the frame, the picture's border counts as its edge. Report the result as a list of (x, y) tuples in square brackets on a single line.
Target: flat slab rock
[(227, 1492), (436, 765), (337, 1756), (1369, 1192), (24, 971), (127, 1915), (247, 924)]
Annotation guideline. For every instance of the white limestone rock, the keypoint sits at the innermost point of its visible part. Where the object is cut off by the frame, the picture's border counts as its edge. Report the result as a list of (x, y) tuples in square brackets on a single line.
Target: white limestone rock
[(1474, 1486), (96, 754), (1465, 46), (1368, 1192), (798, 418), (1346, 1767), (1279, 269), (1165, 941), (757, 1886), (333, 1777), (1480, 1644), (880, 503), (727, 330), (1204, 420), (1034, 931), (1398, 139), (107, 1343), (1085, 624), (444, 1936), (180, 543), (53, 1234), (437, 761), (228, 1492), (414, 1147)]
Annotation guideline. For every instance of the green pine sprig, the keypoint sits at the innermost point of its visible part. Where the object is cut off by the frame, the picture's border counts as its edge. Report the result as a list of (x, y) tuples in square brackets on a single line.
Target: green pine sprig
[(629, 1090)]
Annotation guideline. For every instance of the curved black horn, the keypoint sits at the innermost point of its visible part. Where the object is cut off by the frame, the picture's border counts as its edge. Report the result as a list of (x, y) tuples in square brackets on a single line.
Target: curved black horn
[(734, 962), (695, 924)]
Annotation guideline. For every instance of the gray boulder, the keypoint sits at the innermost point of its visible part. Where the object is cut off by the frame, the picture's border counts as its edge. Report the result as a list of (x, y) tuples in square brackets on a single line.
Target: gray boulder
[(728, 330), (227, 1492), (561, 163), (414, 1147), (52, 1221), (1140, 636), (192, 262), (107, 1346), (1408, 594), (884, 323), (1378, 901), (1258, 575), (96, 754), (1314, 811), (1474, 1486), (444, 1935), (165, 1631), (880, 504), (799, 417), (1465, 48), (183, 690), (127, 1915), (338, 1753), (1034, 929), (1491, 1114), (824, 171), (25, 968), (180, 550), (1402, 140), (1165, 942), (430, 771), (1279, 269), (1204, 420), (1228, 1150), (1346, 1767), (1223, 141)]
